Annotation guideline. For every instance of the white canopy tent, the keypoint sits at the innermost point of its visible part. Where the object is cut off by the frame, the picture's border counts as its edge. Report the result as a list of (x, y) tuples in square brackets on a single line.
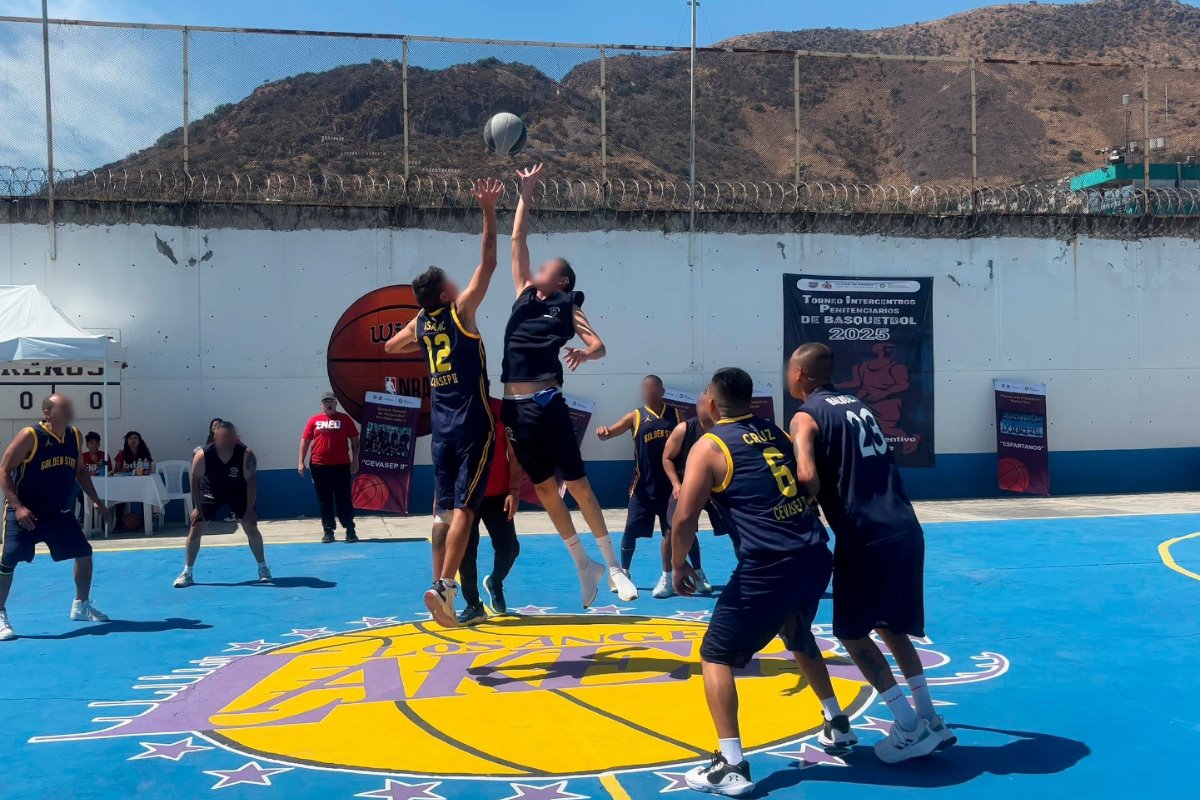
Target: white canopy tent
[(34, 332)]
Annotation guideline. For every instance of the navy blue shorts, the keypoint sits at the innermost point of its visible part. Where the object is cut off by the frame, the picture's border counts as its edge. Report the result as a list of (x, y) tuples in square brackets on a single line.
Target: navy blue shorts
[(460, 471), (211, 504), (58, 530), (765, 599), (879, 586), (715, 519), (639, 520), (543, 437)]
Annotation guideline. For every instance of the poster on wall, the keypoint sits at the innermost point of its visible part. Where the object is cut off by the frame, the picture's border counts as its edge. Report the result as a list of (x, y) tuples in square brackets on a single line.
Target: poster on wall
[(881, 334), (1022, 449), (385, 463), (581, 419), (762, 403), (681, 401)]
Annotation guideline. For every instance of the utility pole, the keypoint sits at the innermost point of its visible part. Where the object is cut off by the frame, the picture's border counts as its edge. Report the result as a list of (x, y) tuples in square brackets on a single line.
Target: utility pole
[(695, 4), (49, 130)]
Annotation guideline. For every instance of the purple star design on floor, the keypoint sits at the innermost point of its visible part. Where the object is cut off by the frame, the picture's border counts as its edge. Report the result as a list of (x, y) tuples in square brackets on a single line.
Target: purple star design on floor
[(531, 611), (551, 791), (606, 610), (307, 633), (698, 616), (811, 756), (253, 647), (249, 773), (374, 622), (398, 790), (675, 782), (875, 724), (172, 751)]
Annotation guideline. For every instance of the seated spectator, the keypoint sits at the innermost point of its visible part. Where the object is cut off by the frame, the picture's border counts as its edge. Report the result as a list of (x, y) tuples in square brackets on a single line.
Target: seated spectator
[(134, 456), (93, 457)]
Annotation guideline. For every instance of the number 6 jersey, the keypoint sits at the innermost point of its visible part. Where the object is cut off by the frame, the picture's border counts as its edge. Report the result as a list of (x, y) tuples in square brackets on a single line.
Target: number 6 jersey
[(760, 496), (861, 493), (457, 375)]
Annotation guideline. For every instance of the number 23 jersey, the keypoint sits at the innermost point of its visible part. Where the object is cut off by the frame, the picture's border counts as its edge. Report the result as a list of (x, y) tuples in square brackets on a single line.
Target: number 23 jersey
[(457, 375), (760, 496)]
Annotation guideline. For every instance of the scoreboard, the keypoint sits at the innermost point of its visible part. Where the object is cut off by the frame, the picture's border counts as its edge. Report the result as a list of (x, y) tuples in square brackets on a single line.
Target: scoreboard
[(22, 389)]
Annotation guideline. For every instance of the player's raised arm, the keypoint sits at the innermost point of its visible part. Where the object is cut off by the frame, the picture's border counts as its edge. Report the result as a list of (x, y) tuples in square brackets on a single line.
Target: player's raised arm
[(670, 452), (804, 437), (487, 192), (705, 469), (595, 349), (404, 341), (606, 432), (522, 275), (18, 450)]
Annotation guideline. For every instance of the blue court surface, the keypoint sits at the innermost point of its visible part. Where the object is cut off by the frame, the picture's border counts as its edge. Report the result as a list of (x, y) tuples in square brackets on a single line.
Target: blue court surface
[(1064, 651)]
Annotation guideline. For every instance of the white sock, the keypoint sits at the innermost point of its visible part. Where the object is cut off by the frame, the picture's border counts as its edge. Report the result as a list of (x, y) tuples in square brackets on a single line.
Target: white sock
[(577, 552), (668, 575), (606, 549), (921, 697), (731, 749), (262, 563), (902, 712), (187, 570), (831, 707)]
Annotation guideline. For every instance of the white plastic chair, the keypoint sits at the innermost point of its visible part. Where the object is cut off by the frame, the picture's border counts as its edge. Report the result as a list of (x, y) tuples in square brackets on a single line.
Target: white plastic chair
[(171, 473)]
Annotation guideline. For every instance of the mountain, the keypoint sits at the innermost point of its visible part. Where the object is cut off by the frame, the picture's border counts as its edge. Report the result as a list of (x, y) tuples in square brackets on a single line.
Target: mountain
[(861, 120)]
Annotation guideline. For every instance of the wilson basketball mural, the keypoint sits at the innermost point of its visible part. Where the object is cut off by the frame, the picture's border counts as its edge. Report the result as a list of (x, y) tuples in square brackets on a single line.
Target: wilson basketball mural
[(356, 359)]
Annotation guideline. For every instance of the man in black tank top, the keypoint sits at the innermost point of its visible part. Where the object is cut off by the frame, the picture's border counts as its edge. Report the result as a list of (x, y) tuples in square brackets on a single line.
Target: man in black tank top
[(547, 314), (224, 476), (675, 456)]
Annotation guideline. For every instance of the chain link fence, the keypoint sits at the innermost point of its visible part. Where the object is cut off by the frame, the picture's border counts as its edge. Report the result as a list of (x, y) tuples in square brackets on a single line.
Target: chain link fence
[(203, 112)]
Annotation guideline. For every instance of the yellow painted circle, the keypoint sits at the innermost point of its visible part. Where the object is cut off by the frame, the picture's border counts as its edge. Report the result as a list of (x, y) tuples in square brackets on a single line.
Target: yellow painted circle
[(552, 695)]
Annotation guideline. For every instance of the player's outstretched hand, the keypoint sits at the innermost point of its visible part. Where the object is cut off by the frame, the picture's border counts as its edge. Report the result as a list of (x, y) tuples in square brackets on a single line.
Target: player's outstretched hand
[(529, 179), (684, 580), (487, 192), (574, 357)]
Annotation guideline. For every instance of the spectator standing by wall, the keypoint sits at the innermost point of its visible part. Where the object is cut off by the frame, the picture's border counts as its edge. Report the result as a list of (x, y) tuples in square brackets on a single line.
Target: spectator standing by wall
[(330, 445)]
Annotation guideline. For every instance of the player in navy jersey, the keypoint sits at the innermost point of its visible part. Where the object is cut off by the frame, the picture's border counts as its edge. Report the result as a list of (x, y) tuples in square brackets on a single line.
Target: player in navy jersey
[(38, 474), (650, 490), (675, 455), (463, 427), (746, 467), (844, 459), (547, 314)]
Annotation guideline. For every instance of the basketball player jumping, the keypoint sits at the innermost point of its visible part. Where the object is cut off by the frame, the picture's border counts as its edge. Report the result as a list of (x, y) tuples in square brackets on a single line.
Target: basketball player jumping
[(463, 426), (843, 457), (745, 466), (38, 473), (547, 314), (224, 476)]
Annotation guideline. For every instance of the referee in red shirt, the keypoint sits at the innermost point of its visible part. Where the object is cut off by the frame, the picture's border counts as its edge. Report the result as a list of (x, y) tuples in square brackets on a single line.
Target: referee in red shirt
[(330, 443)]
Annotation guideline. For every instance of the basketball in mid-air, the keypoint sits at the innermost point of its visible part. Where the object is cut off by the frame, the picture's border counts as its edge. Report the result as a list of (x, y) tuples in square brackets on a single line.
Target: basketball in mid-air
[(504, 134), (370, 492)]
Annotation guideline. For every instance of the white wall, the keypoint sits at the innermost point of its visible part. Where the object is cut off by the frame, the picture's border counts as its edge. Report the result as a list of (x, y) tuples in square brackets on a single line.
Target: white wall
[(1113, 327)]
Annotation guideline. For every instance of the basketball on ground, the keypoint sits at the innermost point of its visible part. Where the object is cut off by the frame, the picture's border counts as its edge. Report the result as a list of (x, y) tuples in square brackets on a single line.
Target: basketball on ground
[(1014, 475), (504, 134), (370, 493), (132, 521)]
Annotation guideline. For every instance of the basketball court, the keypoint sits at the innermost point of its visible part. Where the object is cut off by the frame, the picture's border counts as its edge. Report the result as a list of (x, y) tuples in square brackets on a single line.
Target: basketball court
[(1061, 649)]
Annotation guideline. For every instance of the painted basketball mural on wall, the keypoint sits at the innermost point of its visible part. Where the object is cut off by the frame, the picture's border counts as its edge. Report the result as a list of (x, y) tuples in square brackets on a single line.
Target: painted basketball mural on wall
[(356, 360)]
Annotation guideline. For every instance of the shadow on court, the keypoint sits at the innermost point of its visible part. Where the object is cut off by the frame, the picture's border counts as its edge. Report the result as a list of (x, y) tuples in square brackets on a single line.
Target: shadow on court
[(285, 582), (1025, 753), (128, 626)]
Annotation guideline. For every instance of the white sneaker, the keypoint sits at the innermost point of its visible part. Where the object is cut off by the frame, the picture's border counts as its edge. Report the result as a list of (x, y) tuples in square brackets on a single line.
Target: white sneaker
[(184, 580), (946, 737), (836, 734), (663, 589), (439, 599), (85, 611), (612, 586), (264, 574), (721, 777), (625, 588), (6, 631), (589, 582), (901, 745), (702, 584)]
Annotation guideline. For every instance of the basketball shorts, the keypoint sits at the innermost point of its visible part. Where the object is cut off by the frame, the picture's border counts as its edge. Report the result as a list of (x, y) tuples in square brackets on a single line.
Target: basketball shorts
[(211, 504), (543, 437), (58, 530), (460, 471), (880, 585), (764, 599), (715, 519), (642, 513)]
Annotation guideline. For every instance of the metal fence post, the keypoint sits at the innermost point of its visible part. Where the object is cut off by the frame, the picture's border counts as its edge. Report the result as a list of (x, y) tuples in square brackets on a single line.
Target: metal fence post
[(603, 124), (1145, 127), (186, 114), (404, 95), (974, 132), (796, 109), (49, 132)]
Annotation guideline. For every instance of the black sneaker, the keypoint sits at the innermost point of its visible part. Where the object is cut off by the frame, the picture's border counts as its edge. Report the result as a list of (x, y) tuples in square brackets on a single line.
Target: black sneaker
[(495, 591), (721, 777), (327, 538), (472, 615), (837, 734), (351, 536)]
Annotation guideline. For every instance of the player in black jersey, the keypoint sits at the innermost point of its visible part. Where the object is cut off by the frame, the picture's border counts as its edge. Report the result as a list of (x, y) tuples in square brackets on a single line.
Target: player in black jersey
[(675, 455), (463, 428), (224, 477), (746, 467), (547, 314), (650, 491), (844, 459), (38, 474)]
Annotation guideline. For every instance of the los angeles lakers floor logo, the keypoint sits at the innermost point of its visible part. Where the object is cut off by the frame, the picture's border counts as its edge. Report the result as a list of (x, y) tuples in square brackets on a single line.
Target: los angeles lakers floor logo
[(513, 698)]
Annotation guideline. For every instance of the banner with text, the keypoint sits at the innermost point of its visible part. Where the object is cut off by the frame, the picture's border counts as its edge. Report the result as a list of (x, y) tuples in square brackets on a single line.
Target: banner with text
[(581, 418), (684, 402), (881, 334), (1022, 449), (385, 462)]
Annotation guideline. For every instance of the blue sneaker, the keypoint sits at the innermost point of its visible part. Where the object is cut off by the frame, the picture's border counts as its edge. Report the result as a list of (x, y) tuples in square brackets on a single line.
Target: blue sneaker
[(472, 615), (495, 592)]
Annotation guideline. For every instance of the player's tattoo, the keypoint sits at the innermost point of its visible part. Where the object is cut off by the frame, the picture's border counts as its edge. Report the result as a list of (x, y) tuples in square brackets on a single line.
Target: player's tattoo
[(250, 464), (871, 662)]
